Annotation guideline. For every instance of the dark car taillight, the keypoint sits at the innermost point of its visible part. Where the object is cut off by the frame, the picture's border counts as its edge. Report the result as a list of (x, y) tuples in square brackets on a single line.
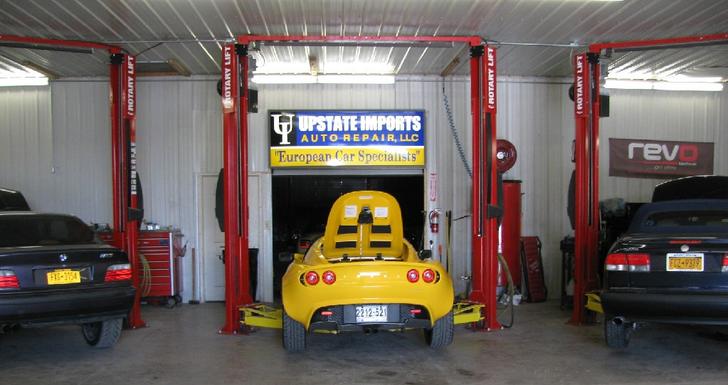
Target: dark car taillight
[(627, 262), (8, 280), (115, 273), (304, 244), (724, 268)]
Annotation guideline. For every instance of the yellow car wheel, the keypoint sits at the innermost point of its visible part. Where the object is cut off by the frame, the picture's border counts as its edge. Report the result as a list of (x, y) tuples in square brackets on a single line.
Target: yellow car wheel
[(294, 334), (441, 334)]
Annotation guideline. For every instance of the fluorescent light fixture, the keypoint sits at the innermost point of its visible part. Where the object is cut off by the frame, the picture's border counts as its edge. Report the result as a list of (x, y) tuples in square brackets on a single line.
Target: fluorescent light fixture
[(323, 79), (693, 79), (628, 84), (23, 81), (356, 79), (358, 68), (283, 79), (660, 85), (284, 68), (684, 86)]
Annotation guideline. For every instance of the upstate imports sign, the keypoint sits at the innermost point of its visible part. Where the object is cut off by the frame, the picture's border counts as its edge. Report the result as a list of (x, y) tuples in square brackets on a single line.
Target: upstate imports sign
[(647, 158), (347, 138)]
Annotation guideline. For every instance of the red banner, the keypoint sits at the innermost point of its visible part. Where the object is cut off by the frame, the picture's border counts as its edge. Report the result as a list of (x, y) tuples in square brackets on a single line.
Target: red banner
[(581, 96), (490, 73), (128, 87), (648, 158), (229, 77)]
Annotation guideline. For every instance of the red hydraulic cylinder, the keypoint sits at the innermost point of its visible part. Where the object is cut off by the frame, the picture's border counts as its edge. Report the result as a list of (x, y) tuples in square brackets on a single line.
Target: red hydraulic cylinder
[(511, 229)]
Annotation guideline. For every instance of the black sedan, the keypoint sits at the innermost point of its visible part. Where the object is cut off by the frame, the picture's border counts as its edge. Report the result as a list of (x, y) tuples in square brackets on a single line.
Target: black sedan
[(670, 266), (54, 271)]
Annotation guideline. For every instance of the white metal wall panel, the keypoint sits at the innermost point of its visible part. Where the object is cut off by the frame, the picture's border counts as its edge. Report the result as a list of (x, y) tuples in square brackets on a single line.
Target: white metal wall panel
[(25, 141)]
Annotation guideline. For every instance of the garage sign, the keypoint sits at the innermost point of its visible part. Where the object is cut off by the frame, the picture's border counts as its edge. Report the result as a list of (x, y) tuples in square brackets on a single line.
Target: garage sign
[(648, 158), (347, 138)]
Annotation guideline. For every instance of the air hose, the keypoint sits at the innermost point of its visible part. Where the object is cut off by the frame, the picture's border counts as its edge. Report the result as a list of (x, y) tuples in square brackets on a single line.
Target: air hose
[(510, 292), (456, 138), (146, 282)]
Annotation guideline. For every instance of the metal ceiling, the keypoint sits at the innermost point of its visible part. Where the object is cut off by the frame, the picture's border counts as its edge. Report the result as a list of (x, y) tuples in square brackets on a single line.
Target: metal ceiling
[(193, 31)]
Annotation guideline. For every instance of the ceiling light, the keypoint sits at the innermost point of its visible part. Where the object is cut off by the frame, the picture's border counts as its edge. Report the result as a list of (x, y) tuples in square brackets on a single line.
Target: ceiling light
[(628, 84), (283, 79), (663, 85), (684, 86), (323, 79), (23, 81), (358, 68), (356, 79)]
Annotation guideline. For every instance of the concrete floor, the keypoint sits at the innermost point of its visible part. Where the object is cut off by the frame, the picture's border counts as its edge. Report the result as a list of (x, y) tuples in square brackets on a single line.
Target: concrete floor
[(181, 346)]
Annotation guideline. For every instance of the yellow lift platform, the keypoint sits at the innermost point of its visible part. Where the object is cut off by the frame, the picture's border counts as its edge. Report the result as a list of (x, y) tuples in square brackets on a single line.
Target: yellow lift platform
[(266, 316)]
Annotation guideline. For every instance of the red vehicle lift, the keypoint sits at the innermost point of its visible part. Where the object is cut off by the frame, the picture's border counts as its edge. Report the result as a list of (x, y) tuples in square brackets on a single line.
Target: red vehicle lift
[(235, 133), (587, 99), (122, 78)]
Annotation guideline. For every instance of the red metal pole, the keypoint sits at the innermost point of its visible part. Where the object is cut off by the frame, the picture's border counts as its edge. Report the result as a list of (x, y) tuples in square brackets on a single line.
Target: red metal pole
[(586, 112), (59, 42), (490, 182), (116, 149), (230, 73), (674, 42), (246, 39), (128, 119)]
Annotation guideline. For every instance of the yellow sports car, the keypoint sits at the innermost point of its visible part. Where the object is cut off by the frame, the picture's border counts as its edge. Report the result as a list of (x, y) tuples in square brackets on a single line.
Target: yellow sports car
[(362, 274)]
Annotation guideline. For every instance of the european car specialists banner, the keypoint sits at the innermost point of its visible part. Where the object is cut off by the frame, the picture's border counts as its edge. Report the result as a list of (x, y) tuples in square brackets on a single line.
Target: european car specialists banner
[(648, 158), (347, 138)]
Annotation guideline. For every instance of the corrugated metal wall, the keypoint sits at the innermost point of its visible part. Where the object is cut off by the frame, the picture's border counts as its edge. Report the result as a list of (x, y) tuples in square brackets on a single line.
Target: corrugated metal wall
[(66, 129)]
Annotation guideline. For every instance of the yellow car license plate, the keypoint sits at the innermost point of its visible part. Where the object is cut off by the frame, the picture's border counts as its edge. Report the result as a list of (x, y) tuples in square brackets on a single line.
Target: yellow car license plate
[(684, 261), (63, 277), (371, 313)]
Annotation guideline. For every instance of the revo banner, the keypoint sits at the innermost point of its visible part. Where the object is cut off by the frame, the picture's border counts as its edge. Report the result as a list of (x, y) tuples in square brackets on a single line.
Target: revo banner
[(347, 138), (648, 158)]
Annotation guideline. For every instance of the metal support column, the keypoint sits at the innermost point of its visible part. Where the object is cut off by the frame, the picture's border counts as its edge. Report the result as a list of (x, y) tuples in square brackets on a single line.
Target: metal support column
[(484, 187), (126, 215), (235, 176)]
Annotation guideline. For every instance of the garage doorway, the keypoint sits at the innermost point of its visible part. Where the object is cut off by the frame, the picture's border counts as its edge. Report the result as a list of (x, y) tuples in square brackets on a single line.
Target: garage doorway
[(301, 205)]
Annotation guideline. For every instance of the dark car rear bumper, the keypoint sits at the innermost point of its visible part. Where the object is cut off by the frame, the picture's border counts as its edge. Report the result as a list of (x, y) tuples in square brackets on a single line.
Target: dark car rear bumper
[(65, 306), (696, 308)]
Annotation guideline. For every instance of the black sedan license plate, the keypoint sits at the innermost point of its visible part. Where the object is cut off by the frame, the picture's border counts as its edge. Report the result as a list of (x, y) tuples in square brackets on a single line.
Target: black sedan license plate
[(684, 262), (63, 277), (371, 313)]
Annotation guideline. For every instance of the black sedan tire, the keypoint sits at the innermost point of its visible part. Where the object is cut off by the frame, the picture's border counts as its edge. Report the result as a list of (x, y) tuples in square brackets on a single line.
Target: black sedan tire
[(616, 333), (102, 334), (294, 334), (441, 334)]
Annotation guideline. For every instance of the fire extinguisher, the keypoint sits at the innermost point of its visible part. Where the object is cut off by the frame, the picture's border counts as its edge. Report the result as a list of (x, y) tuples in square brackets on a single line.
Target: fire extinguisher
[(434, 218)]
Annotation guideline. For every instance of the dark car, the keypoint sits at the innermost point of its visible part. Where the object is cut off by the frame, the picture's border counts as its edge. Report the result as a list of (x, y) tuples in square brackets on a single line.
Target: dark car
[(53, 271), (670, 266)]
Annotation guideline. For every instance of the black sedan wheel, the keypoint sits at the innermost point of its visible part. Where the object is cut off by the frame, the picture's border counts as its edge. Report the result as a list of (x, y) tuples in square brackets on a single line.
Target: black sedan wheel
[(441, 334), (617, 332), (102, 334), (294, 334)]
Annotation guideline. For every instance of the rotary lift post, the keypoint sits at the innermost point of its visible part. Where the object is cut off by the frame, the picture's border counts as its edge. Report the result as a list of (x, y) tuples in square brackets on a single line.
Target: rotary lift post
[(122, 97), (587, 100), (235, 164)]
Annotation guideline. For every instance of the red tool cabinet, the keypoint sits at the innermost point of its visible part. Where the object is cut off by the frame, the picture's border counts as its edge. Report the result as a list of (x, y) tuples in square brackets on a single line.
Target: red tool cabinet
[(162, 251)]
